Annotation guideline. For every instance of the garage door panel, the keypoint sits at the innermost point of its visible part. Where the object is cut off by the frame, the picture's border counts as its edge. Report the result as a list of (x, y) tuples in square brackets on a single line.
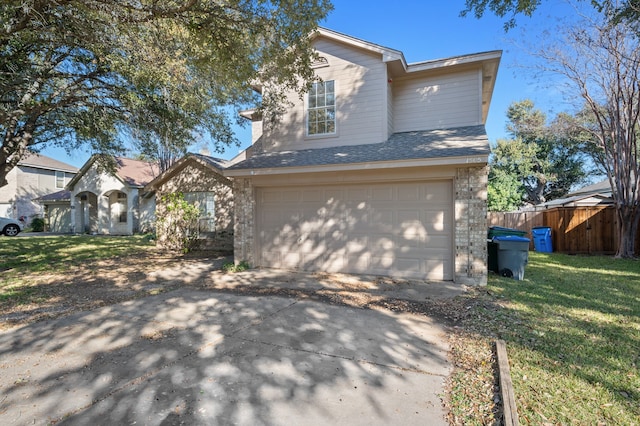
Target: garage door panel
[(436, 193), (372, 229), (408, 193), (382, 193), (59, 218), (383, 216), (312, 196)]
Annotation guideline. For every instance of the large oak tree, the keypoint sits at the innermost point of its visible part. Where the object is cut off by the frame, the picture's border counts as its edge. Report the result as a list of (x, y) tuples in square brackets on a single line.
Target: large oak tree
[(96, 72)]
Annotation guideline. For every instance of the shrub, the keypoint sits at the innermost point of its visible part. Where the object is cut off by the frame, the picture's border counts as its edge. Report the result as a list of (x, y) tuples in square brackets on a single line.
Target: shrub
[(231, 267), (37, 224), (176, 223)]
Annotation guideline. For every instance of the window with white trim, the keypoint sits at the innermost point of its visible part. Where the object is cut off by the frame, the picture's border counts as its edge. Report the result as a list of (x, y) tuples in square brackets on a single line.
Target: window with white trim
[(59, 179), (205, 202), (321, 109)]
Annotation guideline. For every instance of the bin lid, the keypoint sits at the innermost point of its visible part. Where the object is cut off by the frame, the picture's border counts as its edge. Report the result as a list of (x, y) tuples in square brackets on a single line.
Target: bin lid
[(511, 238)]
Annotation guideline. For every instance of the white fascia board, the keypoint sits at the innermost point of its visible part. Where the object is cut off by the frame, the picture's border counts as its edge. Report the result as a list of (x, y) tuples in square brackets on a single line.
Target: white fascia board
[(456, 60), (425, 162)]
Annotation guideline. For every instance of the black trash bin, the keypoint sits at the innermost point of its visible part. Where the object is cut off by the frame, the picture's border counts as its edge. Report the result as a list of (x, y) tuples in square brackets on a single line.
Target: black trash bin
[(492, 245), (513, 255)]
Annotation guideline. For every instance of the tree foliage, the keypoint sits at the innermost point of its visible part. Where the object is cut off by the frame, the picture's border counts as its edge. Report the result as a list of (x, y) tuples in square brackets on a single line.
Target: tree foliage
[(617, 10), (542, 161), (601, 64), (96, 72)]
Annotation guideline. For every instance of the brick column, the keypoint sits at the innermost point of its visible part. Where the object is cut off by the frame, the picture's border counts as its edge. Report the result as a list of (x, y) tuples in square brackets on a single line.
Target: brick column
[(244, 220), (471, 225)]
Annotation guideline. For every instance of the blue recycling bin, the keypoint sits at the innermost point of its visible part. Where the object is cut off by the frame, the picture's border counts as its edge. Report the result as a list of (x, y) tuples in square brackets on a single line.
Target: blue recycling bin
[(542, 239)]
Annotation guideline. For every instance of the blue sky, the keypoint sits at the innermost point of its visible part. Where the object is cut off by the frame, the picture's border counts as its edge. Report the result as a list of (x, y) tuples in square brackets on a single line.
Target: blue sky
[(432, 29)]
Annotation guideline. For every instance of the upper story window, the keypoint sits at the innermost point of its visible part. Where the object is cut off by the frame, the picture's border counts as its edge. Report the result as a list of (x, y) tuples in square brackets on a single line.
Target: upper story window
[(59, 179), (321, 114)]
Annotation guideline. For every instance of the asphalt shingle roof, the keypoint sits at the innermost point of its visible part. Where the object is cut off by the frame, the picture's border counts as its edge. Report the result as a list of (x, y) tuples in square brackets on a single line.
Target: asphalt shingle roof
[(43, 162), (456, 142), (213, 161), (63, 195), (136, 172)]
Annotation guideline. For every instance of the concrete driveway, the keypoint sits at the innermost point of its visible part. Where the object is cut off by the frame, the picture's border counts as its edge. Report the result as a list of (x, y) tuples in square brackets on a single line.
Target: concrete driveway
[(216, 358)]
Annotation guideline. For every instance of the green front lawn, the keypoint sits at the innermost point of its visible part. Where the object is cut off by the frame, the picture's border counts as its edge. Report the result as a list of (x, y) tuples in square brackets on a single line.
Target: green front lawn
[(572, 329), (55, 253)]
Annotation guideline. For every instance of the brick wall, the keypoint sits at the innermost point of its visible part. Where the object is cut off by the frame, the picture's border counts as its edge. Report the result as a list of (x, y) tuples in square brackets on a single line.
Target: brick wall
[(194, 178), (471, 225)]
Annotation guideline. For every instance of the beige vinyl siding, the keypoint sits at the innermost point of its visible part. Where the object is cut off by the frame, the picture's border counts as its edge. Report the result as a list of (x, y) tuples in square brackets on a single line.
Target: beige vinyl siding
[(444, 101), (359, 79), (389, 108)]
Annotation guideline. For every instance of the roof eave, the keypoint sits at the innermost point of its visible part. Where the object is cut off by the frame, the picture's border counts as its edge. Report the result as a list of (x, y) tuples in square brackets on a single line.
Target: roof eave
[(492, 55), (420, 162)]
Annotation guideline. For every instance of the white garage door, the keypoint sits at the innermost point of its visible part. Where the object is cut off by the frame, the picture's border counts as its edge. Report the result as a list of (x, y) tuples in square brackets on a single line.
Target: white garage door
[(59, 218), (401, 229)]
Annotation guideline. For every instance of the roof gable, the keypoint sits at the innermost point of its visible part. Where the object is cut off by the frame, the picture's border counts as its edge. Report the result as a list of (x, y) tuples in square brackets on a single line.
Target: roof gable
[(216, 165), (134, 173), (386, 53)]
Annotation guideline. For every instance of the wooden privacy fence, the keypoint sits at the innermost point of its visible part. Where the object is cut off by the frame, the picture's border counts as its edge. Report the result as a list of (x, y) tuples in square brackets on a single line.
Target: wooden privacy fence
[(574, 230)]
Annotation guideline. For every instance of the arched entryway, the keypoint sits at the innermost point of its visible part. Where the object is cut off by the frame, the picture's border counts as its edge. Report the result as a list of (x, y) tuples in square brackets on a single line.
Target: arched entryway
[(87, 214), (118, 212)]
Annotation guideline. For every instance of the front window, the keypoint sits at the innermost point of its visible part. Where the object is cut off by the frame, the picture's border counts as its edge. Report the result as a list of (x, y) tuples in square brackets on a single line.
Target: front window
[(205, 202), (321, 114)]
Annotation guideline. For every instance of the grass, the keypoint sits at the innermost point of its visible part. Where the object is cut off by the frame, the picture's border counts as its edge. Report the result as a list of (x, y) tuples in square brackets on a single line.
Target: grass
[(20, 256), (572, 328), (55, 253)]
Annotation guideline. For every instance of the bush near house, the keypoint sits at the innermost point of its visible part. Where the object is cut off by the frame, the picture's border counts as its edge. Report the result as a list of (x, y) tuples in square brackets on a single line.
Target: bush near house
[(37, 224), (176, 222)]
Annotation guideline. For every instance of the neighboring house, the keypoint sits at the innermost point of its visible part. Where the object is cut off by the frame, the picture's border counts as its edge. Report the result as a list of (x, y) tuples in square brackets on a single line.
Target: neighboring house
[(56, 211), (200, 179), (597, 194), (381, 168), (112, 203), (34, 176)]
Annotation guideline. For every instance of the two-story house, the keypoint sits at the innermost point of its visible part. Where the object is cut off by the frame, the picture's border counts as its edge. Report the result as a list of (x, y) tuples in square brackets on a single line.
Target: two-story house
[(34, 176), (381, 168)]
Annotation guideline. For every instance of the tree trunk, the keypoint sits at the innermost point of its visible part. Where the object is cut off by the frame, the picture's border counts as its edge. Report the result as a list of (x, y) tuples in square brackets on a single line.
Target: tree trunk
[(627, 229)]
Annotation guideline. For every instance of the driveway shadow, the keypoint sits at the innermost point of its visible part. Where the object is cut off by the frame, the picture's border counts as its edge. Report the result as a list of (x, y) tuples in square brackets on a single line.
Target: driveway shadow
[(197, 357)]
